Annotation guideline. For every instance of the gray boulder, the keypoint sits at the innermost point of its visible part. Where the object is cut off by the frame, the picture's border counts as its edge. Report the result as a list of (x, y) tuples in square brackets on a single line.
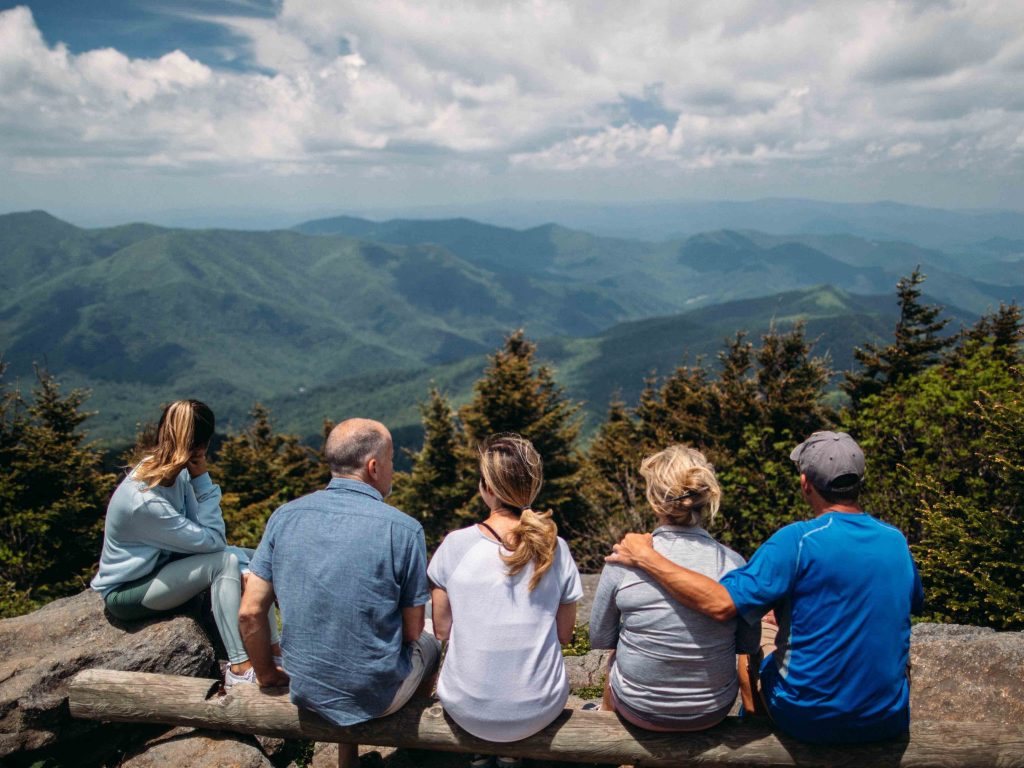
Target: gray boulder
[(587, 670), (202, 749), (43, 649), (966, 674)]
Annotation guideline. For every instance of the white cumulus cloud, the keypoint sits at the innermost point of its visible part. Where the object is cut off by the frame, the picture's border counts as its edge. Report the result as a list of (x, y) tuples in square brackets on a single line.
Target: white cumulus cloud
[(537, 85)]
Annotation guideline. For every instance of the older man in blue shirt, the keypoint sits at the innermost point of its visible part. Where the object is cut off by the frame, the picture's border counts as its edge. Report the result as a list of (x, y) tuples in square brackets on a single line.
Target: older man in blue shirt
[(349, 573)]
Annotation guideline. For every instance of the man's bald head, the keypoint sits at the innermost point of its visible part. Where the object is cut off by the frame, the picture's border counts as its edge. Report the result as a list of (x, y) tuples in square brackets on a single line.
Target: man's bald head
[(352, 444)]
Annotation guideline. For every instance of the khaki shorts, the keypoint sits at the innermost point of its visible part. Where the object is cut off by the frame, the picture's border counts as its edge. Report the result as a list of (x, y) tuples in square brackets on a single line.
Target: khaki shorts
[(426, 652)]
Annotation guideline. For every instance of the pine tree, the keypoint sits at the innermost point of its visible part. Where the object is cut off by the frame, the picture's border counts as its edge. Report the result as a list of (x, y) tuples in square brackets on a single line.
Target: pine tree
[(971, 552), (518, 395), (680, 411), (790, 384), (612, 486), (768, 400), (258, 471), (52, 495), (916, 345), (764, 400), (928, 424), (1003, 330), (435, 489)]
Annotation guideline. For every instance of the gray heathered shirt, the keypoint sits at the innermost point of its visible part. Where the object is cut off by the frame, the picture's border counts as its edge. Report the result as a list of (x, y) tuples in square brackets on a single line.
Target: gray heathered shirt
[(673, 665)]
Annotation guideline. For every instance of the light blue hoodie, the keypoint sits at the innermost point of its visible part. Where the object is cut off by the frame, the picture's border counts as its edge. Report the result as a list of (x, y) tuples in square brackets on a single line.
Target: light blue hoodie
[(144, 526)]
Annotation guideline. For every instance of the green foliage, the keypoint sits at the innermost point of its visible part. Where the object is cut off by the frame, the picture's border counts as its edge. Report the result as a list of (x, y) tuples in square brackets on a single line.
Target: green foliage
[(518, 395), (595, 691), (943, 448), (579, 644), (259, 470), (52, 495), (612, 488), (514, 395), (971, 552), (746, 420), (929, 425), (916, 345), (434, 490)]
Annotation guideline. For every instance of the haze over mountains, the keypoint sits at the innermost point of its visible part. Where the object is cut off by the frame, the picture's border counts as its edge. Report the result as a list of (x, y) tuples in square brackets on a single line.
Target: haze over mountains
[(346, 315)]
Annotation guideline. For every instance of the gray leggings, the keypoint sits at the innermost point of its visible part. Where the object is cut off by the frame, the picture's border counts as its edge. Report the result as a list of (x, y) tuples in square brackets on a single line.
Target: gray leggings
[(179, 581)]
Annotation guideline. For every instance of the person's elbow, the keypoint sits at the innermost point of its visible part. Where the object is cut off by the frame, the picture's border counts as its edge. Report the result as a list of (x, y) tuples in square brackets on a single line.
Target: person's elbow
[(250, 618), (442, 631), (603, 641), (212, 543), (721, 607)]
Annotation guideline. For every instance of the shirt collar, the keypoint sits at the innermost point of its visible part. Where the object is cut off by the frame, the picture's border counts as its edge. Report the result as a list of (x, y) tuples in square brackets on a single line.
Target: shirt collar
[(357, 486), (690, 530)]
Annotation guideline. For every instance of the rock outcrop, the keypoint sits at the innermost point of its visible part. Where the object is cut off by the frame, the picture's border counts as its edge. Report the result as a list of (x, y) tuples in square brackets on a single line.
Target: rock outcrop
[(42, 650), (966, 674), (963, 674), (588, 670), (193, 747)]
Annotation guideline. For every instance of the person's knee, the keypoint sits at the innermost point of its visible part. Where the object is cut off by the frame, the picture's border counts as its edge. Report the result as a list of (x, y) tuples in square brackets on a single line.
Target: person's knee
[(226, 564)]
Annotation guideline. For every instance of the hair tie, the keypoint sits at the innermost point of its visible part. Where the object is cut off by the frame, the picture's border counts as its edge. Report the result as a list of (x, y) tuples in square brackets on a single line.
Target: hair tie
[(681, 496)]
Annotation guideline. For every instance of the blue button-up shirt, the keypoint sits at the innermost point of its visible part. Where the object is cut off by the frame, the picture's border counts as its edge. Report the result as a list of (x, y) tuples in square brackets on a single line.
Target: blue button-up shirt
[(343, 564)]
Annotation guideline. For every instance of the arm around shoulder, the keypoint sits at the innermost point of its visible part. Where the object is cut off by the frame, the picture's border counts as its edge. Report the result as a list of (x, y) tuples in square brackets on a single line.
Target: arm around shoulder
[(692, 589)]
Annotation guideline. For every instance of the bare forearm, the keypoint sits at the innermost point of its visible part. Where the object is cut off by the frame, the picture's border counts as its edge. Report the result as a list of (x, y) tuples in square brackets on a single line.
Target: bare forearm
[(255, 632), (692, 589), (413, 620)]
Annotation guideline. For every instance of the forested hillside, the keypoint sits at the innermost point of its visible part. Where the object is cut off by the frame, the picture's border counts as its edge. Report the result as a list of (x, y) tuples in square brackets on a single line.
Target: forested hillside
[(359, 316), (940, 417)]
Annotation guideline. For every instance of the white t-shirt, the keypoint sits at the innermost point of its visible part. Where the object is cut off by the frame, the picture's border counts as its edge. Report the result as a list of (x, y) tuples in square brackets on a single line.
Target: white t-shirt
[(503, 677)]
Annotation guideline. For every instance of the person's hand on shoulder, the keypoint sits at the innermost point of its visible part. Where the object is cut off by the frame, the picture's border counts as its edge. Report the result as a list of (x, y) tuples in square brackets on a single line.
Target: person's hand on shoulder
[(632, 548)]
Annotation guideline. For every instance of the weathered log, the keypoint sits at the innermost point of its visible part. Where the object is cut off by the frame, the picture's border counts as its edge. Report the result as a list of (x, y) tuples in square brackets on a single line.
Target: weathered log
[(591, 737)]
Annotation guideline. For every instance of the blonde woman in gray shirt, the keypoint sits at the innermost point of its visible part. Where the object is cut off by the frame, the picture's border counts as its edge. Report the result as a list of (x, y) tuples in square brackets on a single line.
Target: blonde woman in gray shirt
[(672, 668)]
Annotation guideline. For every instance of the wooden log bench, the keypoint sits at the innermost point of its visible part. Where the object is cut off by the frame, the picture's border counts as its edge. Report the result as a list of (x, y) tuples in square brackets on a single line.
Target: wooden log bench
[(576, 736)]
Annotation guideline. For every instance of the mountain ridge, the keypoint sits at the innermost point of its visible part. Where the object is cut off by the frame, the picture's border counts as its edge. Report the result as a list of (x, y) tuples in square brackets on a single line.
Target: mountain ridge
[(144, 314)]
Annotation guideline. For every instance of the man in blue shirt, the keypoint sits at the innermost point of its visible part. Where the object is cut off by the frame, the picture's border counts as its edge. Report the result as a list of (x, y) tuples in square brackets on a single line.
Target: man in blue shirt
[(349, 573), (842, 585)]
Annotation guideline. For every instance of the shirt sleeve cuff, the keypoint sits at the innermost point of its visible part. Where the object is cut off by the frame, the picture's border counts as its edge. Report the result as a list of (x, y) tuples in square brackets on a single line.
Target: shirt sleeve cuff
[(202, 482), (256, 568)]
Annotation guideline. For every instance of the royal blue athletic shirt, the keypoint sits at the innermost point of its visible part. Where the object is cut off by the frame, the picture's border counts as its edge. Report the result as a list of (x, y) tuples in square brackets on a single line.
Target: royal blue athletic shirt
[(843, 587)]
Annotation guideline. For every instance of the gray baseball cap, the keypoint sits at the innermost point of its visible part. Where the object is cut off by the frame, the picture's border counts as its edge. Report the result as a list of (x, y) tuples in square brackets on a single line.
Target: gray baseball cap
[(832, 461)]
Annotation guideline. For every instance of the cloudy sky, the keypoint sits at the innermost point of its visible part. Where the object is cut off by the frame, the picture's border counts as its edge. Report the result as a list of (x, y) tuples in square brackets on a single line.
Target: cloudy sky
[(116, 109)]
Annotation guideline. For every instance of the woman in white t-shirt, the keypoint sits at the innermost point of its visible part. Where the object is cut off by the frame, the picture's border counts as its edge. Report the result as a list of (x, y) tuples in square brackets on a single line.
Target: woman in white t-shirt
[(504, 598)]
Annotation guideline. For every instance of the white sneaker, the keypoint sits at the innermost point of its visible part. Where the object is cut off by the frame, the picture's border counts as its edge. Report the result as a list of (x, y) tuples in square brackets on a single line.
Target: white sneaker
[(231, 679)]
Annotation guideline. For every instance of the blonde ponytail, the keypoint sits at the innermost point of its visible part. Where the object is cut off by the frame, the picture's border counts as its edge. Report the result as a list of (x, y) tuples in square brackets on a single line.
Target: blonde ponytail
[(514, 472), (185, 425), (681, 486), (533, 540)]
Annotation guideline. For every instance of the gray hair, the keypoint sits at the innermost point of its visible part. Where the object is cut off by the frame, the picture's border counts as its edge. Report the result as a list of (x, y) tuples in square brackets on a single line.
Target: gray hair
[(347, 451)]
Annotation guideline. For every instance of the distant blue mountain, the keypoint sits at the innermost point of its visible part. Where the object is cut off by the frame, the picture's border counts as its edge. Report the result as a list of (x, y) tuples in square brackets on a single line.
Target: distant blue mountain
[(928, 227)]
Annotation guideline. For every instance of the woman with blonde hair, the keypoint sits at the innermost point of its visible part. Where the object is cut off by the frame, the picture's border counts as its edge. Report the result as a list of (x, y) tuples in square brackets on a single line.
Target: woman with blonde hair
[(672, 668), (163, 538), (504, 598)]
